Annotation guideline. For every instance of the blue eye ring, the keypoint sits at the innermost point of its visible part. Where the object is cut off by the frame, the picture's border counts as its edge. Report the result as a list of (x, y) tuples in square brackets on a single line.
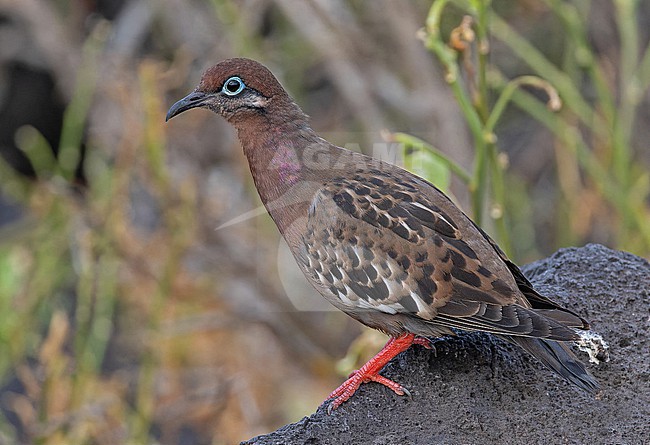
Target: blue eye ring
[(233, 86)]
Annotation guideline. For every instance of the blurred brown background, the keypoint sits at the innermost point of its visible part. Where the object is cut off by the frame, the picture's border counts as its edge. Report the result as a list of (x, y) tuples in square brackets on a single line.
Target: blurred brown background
[(126, 316)]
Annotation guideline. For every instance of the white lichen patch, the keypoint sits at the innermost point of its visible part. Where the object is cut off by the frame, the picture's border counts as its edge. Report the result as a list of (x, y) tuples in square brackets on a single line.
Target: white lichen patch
[(594, 345)]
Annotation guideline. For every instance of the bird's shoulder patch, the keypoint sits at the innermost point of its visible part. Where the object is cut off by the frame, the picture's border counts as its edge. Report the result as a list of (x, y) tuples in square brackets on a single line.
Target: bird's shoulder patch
[(390, 202)]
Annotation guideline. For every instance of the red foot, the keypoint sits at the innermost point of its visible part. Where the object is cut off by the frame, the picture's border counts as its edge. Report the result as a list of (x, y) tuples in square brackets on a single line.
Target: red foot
[(424, 342), (370, 371)]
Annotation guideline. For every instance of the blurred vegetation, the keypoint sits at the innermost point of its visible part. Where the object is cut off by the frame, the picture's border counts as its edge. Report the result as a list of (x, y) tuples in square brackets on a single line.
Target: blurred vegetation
[(126, 318), (62, 276), (593, 136)]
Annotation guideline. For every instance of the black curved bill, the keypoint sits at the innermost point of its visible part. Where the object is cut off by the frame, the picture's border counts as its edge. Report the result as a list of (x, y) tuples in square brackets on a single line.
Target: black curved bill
[(192, 100)]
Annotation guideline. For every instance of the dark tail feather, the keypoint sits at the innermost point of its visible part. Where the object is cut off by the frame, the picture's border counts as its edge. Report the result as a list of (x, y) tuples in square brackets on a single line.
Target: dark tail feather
[(558, 357)]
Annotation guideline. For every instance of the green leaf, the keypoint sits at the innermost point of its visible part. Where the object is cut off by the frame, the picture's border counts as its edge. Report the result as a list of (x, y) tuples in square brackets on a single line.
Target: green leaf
[(425, 164)]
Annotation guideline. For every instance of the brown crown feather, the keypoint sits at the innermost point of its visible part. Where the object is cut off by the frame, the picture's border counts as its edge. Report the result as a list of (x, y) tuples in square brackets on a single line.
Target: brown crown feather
[(254, 75)]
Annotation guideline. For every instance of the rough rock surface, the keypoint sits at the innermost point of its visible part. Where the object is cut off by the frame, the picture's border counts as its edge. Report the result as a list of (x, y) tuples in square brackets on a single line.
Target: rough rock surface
[(478, 389)]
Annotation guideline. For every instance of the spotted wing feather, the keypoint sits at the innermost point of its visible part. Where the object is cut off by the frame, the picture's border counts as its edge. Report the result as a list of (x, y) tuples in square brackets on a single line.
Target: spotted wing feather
[(374, 242)]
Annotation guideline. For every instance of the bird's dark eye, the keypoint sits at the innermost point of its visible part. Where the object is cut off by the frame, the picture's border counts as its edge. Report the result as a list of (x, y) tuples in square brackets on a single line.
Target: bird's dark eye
[(233, 86)]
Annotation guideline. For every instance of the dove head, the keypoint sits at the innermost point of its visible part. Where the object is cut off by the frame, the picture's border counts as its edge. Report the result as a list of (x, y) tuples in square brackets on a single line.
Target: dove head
[(242, 91)]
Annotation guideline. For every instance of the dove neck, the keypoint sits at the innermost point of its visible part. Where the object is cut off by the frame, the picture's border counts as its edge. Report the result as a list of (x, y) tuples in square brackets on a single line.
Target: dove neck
[(287, 163)]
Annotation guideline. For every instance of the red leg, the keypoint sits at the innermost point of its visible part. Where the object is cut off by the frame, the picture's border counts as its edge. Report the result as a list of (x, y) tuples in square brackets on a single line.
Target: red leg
[(370, 371)]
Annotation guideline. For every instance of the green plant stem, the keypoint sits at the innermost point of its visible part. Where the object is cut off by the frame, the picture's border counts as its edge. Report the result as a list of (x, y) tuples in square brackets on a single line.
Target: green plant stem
[(76, 113), (508, 91), (448, 58), (626, 11), (499, 192), (481, 8)]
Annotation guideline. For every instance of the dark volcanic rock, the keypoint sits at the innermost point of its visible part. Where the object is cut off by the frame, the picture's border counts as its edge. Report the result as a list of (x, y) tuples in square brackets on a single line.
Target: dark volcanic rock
[(481, 390)]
